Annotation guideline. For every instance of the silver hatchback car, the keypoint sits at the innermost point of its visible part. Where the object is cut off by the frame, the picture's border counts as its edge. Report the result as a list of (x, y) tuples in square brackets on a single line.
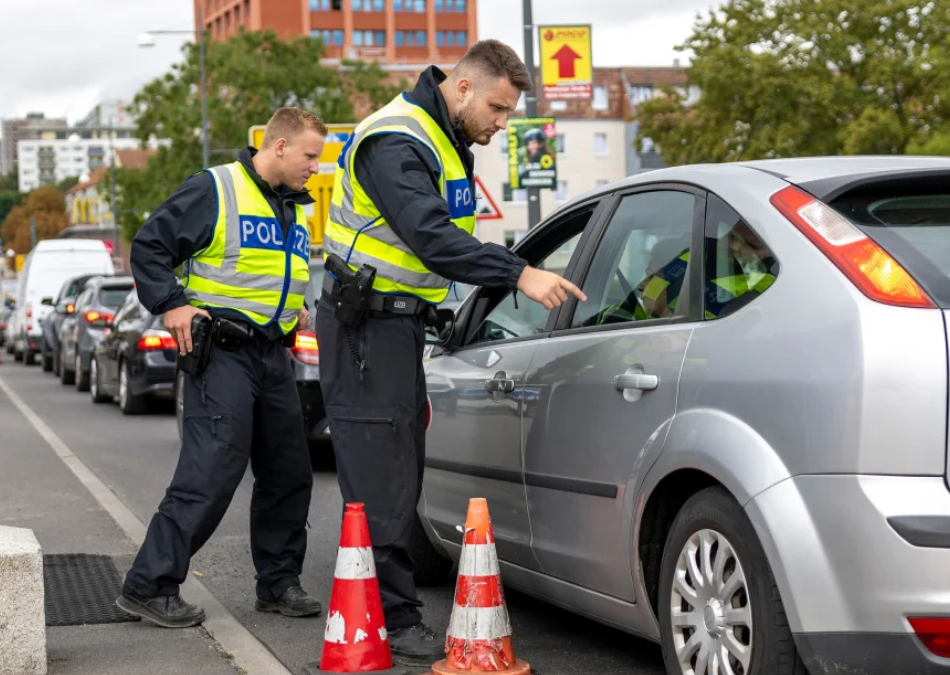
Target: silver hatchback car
[(737, 446)]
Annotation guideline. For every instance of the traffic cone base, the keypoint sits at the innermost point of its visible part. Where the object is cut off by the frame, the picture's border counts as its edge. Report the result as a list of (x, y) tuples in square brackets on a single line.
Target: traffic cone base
[(314, 669), (517, 668)]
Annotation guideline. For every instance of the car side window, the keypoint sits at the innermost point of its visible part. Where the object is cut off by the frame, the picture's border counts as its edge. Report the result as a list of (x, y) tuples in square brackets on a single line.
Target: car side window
[(511, 315), (516, 316), (126, 310), (639, 270), (84, 299), (739, 266)]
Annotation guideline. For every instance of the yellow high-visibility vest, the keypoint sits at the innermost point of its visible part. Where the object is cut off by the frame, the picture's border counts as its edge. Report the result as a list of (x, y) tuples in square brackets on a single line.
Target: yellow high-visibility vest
[(250, 266), (358, 233)]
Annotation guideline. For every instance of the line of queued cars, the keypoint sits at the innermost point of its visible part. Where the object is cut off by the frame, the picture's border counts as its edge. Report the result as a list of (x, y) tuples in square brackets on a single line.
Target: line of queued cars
[(84, 323)]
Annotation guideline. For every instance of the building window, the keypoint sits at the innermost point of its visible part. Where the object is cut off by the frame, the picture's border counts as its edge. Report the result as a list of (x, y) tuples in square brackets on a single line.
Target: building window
[(419, 6), (227, 21), (379, 38), (640, 94), (509, 195), (561, 194), (438, 5), (440, 38), (338, 37), (600, 144), (600, 98), (461, 38), (400, 38), (561, 144), (379, 5), (450, 38), (320, 5), (397, 5), (420, 38), (357, 38)]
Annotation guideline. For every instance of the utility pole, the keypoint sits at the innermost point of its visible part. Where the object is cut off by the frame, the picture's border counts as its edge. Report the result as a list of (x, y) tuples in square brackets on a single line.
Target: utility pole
[(531, 106), (32, 232), (115, 213), (205, 151)]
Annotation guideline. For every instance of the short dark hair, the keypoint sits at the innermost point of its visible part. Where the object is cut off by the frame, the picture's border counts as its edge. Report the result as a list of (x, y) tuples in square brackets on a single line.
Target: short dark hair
[(289, 123), (495, 59)]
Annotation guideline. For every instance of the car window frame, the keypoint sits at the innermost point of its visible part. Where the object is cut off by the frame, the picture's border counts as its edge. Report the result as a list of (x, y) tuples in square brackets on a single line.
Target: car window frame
[(694, 279), (474, 310)]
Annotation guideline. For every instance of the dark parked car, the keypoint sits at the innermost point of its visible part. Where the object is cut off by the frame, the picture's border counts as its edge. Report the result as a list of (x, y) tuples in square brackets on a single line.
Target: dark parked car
[(65, 304), (305, 359), (5, 316), (134, 360), (95, 309)]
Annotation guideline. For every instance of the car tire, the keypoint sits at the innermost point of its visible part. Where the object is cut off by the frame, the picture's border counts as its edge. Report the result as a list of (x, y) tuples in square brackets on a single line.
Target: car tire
[(17, 356), (429, 566), (82, 377), (755, 634), (129, 404), (95, 387), (321, 456), (47, 360), (65, 376), (29, 358)]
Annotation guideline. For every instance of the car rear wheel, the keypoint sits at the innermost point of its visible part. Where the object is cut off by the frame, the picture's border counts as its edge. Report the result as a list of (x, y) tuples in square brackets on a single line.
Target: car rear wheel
[(95, 390), (719, 607), (47, 360), (429, 567), (29, 358), (82, 377), (17, 356), (65, 376), (129, 404)]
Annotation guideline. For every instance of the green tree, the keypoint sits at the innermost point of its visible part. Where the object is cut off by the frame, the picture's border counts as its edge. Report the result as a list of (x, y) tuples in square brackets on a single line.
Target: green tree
[(249, 76), (9, 199), (45, 204), (785, 78), (64, 185)]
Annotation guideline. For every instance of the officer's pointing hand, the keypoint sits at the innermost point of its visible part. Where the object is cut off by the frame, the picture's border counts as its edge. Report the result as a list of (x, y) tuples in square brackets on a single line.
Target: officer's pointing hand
[(178, 322), (547, 288)]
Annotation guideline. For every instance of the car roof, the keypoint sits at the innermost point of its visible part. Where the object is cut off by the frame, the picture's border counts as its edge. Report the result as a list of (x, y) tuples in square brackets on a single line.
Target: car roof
[(70, 245), (110, 281), (826, 172)]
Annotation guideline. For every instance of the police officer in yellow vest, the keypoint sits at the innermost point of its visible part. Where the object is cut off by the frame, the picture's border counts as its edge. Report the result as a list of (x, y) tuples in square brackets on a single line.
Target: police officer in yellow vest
[(241, 233), (403, 203)]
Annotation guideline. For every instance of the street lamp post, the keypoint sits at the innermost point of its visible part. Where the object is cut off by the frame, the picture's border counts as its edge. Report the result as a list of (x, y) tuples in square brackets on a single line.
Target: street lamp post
[(531, 105), (148, 40)]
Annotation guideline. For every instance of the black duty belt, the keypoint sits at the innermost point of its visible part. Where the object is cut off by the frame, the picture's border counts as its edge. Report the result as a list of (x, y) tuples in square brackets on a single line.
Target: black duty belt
[(387, 304)]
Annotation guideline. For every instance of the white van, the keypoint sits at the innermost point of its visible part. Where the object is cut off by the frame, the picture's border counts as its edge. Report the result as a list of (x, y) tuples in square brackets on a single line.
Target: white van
[(51, 263)]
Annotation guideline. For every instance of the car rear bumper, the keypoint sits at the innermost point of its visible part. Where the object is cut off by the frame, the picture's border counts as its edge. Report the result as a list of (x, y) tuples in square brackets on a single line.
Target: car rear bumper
[(153, 374), (868, 654), (842, 554)]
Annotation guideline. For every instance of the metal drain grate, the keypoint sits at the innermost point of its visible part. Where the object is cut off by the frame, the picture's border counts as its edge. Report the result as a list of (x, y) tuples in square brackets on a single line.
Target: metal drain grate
[(81, 588)]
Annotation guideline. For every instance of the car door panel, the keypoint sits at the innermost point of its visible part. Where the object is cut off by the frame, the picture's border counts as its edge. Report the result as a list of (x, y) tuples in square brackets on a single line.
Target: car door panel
[(607, 384)]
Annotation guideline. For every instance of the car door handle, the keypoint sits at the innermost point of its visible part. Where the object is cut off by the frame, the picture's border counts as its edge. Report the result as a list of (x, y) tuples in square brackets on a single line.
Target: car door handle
[(500, 384), (639, 381)]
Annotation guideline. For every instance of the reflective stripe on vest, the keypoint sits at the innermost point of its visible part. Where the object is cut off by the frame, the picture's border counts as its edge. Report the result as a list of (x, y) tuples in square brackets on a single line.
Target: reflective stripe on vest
[(357, 232), (249, 266)]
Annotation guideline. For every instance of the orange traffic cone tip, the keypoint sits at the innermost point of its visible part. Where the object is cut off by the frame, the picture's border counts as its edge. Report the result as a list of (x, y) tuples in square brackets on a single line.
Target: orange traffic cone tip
[(479, 635), (355, 640)]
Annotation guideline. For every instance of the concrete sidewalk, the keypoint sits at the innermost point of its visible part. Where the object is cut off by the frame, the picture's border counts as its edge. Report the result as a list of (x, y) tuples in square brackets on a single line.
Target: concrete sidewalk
[(37, 491)]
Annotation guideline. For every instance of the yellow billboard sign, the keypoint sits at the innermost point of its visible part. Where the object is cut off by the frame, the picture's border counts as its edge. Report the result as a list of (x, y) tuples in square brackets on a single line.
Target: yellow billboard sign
[(320, 185), (567, 69)]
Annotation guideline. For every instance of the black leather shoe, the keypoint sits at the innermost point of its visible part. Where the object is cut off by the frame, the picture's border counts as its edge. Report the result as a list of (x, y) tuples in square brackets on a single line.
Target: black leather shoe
[(167, 611), (293, 602), (416, 644)]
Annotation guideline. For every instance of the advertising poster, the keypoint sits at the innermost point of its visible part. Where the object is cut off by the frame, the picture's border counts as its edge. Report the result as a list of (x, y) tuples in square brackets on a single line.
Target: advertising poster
[(532, 153)]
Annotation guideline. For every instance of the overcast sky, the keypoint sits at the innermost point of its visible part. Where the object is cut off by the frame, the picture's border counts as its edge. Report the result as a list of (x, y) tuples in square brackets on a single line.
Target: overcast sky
[(61, 57)]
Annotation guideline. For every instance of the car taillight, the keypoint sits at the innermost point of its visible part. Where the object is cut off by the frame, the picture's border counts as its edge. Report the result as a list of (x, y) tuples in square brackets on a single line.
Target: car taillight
[(867, 265), (306, 350), (29, 310), (428, 412), (156, 340), (934, 633), (97, 319), (70, 308)]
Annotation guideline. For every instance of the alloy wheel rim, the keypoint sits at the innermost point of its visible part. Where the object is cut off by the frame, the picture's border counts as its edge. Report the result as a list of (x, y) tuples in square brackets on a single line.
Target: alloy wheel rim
[(94, 378), (123, 386), (710, 608)]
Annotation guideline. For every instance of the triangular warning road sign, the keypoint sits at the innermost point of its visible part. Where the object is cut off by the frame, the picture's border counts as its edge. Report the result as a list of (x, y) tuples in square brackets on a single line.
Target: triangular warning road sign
[(485, 206)]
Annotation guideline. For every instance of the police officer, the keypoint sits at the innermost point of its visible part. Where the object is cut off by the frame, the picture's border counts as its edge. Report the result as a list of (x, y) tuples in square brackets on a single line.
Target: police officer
[(242, 230), (403, 204)]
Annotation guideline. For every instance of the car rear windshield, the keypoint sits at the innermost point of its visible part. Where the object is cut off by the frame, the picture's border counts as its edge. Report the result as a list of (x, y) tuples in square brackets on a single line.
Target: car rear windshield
[(112, 296), (910, 219)]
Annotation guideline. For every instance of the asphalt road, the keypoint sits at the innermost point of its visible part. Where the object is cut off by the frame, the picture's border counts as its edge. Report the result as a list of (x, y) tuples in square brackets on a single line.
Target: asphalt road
[(136, 456)]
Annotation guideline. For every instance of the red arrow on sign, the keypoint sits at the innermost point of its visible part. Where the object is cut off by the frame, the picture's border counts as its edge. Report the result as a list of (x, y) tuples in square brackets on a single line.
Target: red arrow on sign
[(565, 58)]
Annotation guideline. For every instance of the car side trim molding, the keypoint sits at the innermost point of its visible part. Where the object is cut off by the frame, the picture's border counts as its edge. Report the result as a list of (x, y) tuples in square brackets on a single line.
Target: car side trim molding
[(539, 480)]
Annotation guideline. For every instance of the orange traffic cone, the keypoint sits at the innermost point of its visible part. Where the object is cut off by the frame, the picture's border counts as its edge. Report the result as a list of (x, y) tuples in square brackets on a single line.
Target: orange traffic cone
[(355, 640), (479, 635)]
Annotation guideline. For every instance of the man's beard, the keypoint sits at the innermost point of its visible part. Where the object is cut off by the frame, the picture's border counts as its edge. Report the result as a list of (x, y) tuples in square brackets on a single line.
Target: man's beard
[(468, 126)]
